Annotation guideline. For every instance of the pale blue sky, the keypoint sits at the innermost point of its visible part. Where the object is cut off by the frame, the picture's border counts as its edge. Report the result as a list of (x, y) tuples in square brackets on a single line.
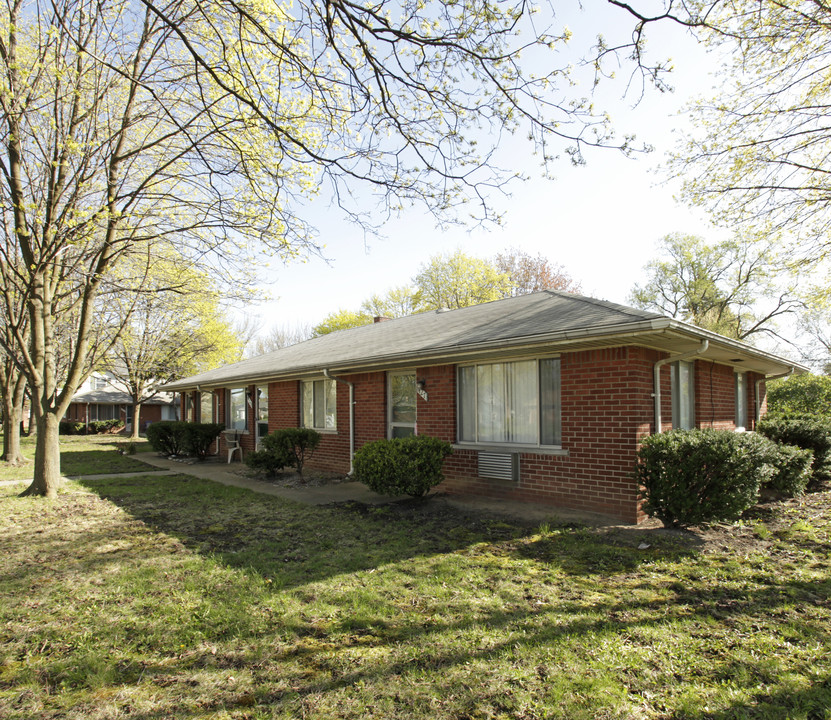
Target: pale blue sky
[(602, 221)]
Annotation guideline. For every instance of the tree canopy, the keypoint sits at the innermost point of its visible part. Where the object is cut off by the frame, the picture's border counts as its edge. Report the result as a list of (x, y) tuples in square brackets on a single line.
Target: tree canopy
[(761, 156), (730, 287), (455, 280)]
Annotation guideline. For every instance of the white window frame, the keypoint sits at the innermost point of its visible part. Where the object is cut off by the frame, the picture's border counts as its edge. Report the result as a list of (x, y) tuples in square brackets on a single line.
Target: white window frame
[(552, 411), (229, 408), (324, 404), (202, 398), (392, 423), (261, 403), (683, 394), (742, 406)]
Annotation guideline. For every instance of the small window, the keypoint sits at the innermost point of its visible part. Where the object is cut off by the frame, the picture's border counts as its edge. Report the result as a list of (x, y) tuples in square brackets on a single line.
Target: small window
[(206, 407), (402, 404), (237, 409), (189, 408), (683, 395), (262, 412), (741, 401), (318, 404)]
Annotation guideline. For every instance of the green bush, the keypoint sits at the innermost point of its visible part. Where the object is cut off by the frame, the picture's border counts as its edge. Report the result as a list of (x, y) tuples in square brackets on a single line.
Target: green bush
[(807, 431), (177, 437), (402, 466), (697, 476), (102, 427), (792, 469), (290, 447), (70, 427), (197, 438), (164, 437), (272, 455), (800, 394)]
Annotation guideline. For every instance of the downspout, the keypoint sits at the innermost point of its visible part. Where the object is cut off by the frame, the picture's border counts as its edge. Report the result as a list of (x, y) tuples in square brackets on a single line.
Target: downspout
[(656, 375), (758, 384), (351, 415)]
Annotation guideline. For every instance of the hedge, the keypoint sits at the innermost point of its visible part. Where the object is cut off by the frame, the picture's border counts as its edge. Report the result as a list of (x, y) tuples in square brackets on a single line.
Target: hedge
[(402, 466), (807, 431), (698, 476), (177, 437)]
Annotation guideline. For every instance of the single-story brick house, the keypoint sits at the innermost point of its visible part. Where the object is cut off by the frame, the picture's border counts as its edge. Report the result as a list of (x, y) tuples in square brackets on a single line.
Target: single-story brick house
[(545, 397)]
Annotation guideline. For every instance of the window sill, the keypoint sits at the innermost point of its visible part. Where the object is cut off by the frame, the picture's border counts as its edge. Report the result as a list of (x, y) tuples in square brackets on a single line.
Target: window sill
[(520, 449)]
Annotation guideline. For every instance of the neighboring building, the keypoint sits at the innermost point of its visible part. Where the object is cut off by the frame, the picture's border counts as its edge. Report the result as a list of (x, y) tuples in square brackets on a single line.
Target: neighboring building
[(102, 398), (545, 397)]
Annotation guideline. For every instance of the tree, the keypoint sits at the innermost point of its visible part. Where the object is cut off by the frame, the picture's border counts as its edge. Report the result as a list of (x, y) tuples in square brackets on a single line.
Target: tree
[(341, 320), (172, 329), (800, 394), (278, 337), (531, 274), (762, 158), (111, 140), (728, 287), (457, 280), (207, 125)]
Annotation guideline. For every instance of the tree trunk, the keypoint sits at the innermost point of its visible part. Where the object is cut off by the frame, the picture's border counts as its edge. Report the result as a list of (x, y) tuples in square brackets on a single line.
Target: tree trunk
[(12, 416), (47, 475), (136, 417)]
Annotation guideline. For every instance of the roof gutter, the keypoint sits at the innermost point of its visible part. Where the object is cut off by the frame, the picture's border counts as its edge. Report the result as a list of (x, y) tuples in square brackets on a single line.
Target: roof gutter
[(758, 393), (351, 416), (656, 375)]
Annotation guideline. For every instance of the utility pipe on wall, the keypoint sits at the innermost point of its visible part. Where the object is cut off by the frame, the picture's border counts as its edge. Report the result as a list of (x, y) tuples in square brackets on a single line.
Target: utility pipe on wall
[(351, 415), (656, 374)]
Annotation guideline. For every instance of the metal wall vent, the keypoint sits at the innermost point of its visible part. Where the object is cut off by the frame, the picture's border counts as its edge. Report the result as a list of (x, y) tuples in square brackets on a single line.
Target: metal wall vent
[(499, 466)]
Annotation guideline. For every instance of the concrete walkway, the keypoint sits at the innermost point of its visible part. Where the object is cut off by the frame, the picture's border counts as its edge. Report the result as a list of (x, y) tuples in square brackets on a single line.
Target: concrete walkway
[(345, 492), (309, 495)]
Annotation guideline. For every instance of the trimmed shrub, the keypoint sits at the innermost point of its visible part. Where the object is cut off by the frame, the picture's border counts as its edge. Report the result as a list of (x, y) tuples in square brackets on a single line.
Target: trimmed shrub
[(290, 447), (102, 427), (166, 437), (70, 427), (402, 466), (698, 476), (809, 432), (178, 437), (196, 438), (272, 455), (792, 469)]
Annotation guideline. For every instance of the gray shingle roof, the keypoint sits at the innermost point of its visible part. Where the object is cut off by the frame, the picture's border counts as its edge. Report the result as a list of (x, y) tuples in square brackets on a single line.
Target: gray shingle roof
[(525, 321)]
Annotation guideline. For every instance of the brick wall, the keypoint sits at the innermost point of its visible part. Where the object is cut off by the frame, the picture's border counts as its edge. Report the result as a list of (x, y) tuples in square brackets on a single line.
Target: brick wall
[(607, 409)]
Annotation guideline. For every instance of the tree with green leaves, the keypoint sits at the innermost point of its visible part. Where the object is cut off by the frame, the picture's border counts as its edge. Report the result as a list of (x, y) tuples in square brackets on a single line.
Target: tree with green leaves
[(172, 328), (456, 280), (761, 156), (209, 125), (731, 287)]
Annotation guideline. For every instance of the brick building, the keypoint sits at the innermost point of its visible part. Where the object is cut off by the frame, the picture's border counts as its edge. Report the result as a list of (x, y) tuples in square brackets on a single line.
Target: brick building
[(545, 397)]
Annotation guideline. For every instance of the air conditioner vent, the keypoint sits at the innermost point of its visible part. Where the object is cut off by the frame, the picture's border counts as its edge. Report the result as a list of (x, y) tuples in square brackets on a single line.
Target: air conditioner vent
[(499, 466)]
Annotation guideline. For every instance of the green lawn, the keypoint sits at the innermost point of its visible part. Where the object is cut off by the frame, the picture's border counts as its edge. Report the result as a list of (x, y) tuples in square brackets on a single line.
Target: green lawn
[(170, 597), (80, 455)]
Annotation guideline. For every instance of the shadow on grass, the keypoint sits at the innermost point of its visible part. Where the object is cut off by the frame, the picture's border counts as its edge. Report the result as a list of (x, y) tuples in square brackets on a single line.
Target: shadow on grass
[(474, 633)]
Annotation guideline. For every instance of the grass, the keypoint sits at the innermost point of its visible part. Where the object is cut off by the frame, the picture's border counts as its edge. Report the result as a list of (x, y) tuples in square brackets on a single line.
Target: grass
[(80, 455), (172, 597)]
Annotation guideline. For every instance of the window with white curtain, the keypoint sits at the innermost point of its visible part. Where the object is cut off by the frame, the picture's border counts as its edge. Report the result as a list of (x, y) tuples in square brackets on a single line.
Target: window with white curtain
[(206, 407), (683, 395), (318, 404), (741, 401), (237, 410), (514, 403)]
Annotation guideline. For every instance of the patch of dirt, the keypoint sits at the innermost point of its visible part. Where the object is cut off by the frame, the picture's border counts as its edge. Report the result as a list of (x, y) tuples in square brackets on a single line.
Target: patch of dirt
[(291, 479)]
